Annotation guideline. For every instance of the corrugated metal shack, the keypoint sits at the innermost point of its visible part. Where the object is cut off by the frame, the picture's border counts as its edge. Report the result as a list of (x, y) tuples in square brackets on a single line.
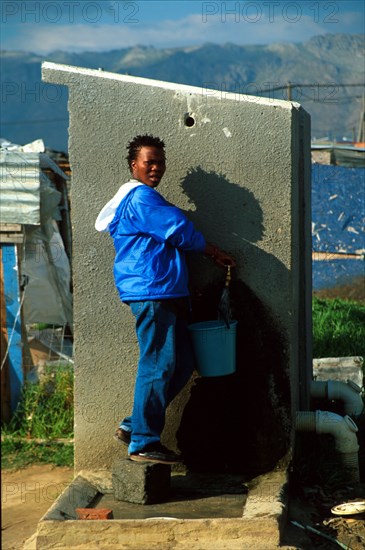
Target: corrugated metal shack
[(35, 247)]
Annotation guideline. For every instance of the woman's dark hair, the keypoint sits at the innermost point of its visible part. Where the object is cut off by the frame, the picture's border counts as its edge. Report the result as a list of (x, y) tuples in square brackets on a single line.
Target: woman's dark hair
[(142, 141)]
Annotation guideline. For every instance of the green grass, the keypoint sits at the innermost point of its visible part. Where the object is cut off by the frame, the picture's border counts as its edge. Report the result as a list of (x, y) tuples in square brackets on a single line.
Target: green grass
[(17, 454), (338, 328), (46, 408), (45, 412)]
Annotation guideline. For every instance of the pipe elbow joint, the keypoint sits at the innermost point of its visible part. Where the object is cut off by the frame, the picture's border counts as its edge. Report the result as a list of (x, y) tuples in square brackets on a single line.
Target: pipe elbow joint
[(348, 392), (343, 430)]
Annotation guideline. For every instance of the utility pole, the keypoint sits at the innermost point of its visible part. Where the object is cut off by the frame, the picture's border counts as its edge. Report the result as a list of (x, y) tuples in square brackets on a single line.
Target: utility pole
[(289, 90), (361, 130)]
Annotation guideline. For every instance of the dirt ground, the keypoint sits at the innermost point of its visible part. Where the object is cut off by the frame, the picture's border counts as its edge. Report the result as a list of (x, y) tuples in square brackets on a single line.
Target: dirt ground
[(28, 493), (355, 291), (312, 507)]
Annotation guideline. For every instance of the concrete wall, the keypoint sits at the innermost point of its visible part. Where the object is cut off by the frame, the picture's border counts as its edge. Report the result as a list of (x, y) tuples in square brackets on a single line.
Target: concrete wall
[(242, 174)]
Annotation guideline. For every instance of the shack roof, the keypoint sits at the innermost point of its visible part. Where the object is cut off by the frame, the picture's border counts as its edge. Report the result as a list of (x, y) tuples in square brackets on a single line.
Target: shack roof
[(22, 176)]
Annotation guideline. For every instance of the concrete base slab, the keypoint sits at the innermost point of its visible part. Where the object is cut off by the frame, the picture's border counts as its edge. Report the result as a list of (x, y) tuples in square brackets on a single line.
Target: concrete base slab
[(259, 525), (191, 496)]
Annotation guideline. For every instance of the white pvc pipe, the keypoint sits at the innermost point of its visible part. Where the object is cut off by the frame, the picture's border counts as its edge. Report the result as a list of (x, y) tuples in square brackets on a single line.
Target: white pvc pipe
[(343, 430), (348, 393)]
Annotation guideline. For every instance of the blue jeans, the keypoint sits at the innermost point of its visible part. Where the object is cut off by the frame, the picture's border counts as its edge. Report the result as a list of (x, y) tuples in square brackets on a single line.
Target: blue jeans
[(165, 365)]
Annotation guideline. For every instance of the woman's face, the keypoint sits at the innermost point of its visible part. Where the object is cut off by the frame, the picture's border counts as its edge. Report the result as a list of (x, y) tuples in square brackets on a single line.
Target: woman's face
[(149, 166)]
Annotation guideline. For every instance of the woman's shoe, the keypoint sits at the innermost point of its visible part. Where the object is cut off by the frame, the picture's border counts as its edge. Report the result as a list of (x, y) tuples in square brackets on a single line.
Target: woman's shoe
[(155, 452)]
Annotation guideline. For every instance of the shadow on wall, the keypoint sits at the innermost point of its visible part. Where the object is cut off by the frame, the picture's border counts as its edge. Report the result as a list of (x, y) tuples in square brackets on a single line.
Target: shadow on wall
[(238, 423), (234, 209)]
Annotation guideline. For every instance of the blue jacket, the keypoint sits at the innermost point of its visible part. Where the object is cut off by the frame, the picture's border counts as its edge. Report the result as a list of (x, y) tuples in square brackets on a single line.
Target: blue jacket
[(151, 237)]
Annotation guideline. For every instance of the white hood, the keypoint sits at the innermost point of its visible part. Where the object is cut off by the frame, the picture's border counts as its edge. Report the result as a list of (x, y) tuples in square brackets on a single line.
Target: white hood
[(107, 214)]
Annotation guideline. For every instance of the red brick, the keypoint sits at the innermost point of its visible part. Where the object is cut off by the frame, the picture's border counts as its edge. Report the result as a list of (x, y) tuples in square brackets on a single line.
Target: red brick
[(94, 513)]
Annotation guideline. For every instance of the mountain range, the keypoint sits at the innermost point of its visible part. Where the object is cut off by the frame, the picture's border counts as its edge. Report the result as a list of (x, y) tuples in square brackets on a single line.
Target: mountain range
[(325, 65)]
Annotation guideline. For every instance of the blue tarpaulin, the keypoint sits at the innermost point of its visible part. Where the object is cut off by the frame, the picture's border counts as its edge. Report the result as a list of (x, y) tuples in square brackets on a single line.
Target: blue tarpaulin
[(13, 321), (338, 225)]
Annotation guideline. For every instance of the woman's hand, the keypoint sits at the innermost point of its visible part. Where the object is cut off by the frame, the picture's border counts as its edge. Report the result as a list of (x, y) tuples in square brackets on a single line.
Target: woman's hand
[(219, 256)]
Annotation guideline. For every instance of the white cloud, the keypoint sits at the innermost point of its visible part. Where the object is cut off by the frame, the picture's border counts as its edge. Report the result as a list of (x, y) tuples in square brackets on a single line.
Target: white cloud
[(240, 28)]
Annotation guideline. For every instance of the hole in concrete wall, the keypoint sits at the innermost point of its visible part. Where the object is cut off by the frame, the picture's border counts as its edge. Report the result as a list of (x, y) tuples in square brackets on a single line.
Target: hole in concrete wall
[(189, 121)]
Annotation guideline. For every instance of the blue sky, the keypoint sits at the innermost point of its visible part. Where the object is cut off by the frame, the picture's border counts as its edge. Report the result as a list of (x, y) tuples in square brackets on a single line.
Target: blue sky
[(78, 25)]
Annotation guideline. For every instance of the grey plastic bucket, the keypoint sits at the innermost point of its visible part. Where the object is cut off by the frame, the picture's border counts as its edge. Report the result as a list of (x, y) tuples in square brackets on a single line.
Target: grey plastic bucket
[(215, 347)]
